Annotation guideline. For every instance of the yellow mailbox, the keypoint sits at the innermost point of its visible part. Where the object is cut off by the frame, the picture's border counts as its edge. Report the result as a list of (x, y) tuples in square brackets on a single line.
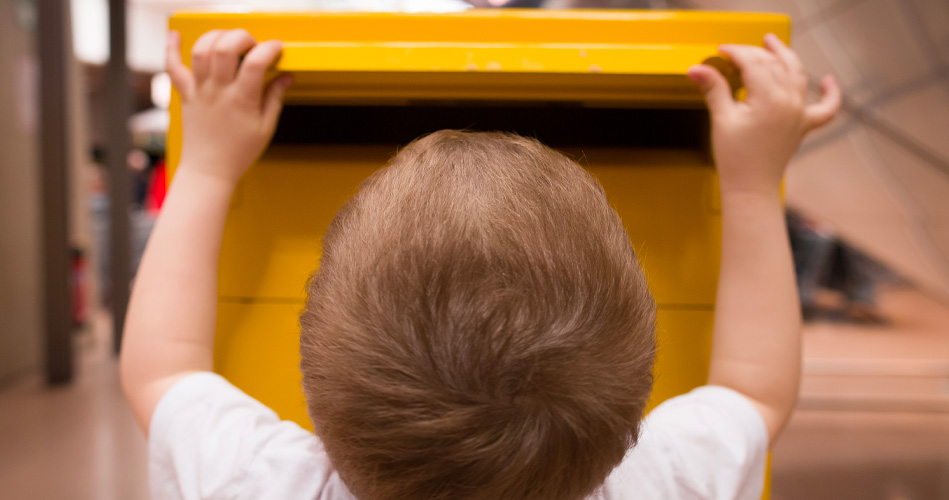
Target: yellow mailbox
[(607, 87)]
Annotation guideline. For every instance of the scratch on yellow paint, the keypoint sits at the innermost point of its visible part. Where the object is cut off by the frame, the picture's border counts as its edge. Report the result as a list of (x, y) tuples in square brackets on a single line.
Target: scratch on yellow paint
[(527, 64)]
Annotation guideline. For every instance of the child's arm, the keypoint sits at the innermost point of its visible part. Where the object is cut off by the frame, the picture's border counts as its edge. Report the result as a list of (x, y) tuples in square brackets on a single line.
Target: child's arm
[(756, 348), (228, 117)]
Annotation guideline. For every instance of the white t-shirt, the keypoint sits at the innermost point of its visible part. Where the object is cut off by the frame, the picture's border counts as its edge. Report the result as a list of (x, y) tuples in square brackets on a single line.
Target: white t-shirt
[(209, 440)]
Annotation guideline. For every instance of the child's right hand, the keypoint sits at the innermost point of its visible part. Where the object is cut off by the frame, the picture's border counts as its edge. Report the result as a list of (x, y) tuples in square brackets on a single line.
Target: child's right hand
[(753, 140), (228, 110)]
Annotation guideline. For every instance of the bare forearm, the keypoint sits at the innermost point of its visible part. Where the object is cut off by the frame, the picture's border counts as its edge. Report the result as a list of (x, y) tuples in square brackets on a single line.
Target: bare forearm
[(171, 322), (756, 348)]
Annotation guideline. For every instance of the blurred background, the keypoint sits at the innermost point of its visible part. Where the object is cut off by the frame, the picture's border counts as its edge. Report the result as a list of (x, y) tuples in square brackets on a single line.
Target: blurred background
[(82, 179)]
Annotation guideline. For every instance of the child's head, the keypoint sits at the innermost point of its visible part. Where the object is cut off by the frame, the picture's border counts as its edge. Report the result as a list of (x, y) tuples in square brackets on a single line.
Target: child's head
[(479, 327)]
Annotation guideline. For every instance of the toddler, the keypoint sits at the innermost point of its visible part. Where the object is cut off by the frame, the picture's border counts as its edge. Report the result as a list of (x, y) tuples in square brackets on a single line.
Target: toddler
[(479, 326)]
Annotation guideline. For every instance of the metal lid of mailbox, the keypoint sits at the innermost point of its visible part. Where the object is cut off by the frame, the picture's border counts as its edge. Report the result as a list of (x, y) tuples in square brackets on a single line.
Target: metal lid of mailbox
[(597, 57)]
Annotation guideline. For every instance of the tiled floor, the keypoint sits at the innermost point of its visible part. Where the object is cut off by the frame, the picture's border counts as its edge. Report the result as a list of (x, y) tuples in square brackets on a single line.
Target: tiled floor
[(873, 423), (78, 442), (873, 419)]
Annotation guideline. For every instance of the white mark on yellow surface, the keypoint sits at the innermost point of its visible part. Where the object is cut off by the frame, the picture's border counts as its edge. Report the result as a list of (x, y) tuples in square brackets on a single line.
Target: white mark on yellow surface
[(493, 66), (595, 68), (531, 65), (583, 53), (470, 65)]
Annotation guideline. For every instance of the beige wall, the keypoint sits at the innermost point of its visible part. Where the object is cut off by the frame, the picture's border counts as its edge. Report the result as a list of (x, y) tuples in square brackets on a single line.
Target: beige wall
[(20, 232)]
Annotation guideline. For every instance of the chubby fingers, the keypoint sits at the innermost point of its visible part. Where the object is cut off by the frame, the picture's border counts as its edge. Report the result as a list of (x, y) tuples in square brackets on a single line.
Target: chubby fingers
[(273, 100), (181, 77), (227, 52), (796, 76), (783, 53), (201, 55), (253, 70), (821, 113), (714, 86), (759, 67)]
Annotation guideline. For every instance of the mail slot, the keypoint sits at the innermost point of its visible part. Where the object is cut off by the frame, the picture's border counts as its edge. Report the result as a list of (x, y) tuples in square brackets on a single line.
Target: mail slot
[(606, 87)]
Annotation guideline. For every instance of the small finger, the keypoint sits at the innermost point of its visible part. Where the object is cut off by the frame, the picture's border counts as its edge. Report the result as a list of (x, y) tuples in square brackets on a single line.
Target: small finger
[(745, 56), (273, 100), (714, 86), (201, 55), (756, 65), (227, 52), (821, 113), (253, 70), (783, 53), (180, 75)]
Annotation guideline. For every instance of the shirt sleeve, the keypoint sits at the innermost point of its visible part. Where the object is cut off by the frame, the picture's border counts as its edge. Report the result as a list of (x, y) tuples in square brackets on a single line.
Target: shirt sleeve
[(209, 440), (709, 444)]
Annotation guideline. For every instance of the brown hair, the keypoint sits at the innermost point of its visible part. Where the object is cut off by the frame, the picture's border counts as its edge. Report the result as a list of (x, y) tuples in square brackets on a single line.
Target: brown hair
[(479, 327)]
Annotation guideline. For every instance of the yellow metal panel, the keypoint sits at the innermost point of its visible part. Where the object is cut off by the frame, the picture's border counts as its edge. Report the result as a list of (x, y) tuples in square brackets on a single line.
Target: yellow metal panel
[(684, 338), (594, 56), (667, 199), (257, 350), (530, 26), (285, 203), (281, 210), (617, 58)]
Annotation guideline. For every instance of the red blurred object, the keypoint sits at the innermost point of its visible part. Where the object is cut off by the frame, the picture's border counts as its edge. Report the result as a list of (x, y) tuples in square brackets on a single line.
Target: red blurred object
[(78, 289), (157, 188)]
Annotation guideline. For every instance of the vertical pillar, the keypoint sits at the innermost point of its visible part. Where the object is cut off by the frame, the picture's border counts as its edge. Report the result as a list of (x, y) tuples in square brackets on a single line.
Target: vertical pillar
[(118, 103), (53, 157)]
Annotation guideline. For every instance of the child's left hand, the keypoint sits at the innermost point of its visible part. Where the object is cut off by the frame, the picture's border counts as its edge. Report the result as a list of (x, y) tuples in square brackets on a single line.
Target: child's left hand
[(753, 140), (228, 116)]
